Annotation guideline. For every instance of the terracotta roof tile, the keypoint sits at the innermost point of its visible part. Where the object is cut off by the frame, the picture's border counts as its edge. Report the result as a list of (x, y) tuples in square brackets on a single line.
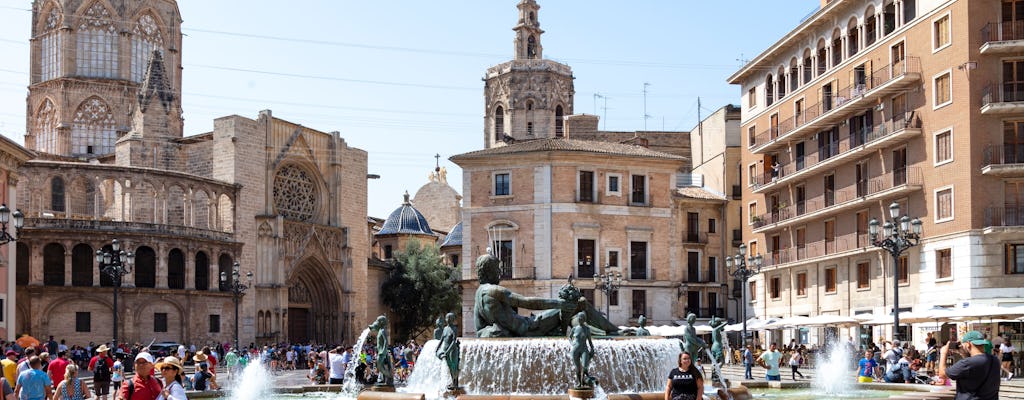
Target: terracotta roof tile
[(694, 192)]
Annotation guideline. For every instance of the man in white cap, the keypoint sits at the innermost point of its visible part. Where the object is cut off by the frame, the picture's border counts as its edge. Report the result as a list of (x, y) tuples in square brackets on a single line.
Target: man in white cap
[(142, 386), (102, 367)]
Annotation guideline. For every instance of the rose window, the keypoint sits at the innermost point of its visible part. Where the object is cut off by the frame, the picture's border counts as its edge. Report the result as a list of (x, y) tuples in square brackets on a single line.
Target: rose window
[(295, 194)]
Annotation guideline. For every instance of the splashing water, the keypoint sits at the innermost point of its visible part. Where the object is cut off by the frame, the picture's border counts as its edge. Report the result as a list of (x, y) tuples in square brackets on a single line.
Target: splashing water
[(351, 385), (714, 365), (430, 376), (255, 383), (831, 374)]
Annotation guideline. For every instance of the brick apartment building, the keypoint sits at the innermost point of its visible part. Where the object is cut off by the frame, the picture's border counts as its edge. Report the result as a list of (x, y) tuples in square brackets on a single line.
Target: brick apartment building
[(869, 103)]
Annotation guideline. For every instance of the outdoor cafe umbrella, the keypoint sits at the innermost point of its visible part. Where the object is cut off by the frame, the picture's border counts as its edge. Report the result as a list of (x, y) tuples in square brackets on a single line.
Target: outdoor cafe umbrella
[(986, 312), (26, 341)]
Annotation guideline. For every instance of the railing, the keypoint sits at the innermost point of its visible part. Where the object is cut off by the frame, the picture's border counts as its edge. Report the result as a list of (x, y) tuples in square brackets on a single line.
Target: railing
[(837, 98), (122, 227), (1006, 215), (697, 237), (1003, 154), (1002, 31), (838, 197), (1002, 93), (820, 248), (838, 147)]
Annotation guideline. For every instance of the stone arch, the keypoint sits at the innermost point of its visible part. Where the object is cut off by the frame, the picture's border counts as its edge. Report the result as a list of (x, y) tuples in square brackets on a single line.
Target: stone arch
[(81, 194), (22, 273), (314, 301), (82, 265), (201, 209), (93, 128), (142, 201), (202, 270), (176, 269), (53, 264), (145, 267), (46, 120), (559, 121), (176, 318), (174, 205), (59, 317), (499, 122), (853, 36), (56, 199), (147, 37), (226, 213), (224, 264), (52, 16)]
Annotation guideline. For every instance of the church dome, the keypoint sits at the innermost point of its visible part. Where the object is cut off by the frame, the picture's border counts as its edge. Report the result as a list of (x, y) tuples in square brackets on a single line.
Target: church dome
[(454, 238), (406, 220)]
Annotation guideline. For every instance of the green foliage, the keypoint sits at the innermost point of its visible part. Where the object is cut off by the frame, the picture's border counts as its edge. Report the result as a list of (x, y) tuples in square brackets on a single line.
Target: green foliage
[(419, 290)]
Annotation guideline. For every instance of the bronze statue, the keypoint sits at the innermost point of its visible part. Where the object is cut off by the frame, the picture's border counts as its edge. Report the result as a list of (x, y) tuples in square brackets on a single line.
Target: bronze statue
[(642, 331), (717, 325), (438, 327), (495, 308), (448, 350), (385, 369), (582, 350), (691, 343)]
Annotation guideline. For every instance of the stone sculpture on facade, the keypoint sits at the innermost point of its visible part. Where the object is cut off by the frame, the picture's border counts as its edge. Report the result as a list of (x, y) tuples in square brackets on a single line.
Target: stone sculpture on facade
[(494, 308)]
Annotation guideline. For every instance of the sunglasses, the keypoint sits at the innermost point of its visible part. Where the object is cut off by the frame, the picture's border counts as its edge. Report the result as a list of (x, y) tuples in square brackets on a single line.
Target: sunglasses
[(167, 367)]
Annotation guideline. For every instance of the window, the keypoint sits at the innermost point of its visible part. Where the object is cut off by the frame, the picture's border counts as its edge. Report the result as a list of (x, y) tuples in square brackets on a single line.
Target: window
[(902, 272), (639, 303), (752, 174), (501, 184), (50, 46), (589, 295), (752, 97), (529, 128), (499, 124), (613, 298), (614, 185), (613, 258), (712, 269), (585, 251), (940, 33), (159, 322), (712, 225), (559, 122), (97, 44), (637, 260), (93, 129), (944, 204), (829, 185), (943, 147), (751, 138), (692, 266), (776, 289), (455, 259), (752, 213), (1014, 258), (801, 284), (942, 88), (943, 264), (830, 280), (388, 252), (830, 236), (1013, 76), (83, 322), (57, 194), (214, 323), (863, 275), (503, 249), (586, 186), (146, 38), (753, 291), (639, 189)]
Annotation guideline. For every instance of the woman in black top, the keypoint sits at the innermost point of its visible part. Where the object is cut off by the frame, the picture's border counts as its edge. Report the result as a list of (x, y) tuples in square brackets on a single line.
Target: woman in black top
[(685, 382)]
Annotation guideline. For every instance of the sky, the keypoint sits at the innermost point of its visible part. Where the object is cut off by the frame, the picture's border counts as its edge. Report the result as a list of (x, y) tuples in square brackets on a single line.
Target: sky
[(402, 79)]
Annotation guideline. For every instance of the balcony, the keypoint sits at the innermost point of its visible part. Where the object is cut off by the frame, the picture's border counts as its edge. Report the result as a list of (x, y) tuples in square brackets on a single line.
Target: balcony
[(1002, 38), (1004, 161), (882, 135), (690, 237), (856, 195), (91, 227), (840, 104), (1003, 99), (1005, 218), (819, 250)]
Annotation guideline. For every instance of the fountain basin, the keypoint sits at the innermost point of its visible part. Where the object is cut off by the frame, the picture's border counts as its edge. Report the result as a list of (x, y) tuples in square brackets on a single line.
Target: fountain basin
[(804, 390)]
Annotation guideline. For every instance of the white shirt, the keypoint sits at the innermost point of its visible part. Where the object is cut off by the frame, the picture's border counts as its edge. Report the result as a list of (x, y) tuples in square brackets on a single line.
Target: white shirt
[(337, 366), (176, 392), (181, 352)]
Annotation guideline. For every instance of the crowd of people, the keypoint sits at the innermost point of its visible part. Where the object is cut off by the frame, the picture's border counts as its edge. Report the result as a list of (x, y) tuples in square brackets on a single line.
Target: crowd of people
[(330, 366)]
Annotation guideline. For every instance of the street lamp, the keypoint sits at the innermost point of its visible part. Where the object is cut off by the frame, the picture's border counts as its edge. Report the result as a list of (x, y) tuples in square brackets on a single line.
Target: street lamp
[(608, 282), (743, 273), (237, 289), (116, 265), (900, 234), (5, 218)]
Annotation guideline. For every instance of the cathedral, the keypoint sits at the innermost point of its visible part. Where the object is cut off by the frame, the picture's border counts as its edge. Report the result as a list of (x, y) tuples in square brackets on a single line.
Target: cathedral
[(281, 201)]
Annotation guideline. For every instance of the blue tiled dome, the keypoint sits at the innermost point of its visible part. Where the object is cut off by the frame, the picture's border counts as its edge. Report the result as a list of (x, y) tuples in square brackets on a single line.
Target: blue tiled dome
[(454, 237), (406, 220)]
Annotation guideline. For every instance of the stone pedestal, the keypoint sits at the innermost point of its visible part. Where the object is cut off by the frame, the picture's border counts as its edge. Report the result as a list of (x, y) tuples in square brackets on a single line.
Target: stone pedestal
[(454, 392), (581, 394), (381, 388)]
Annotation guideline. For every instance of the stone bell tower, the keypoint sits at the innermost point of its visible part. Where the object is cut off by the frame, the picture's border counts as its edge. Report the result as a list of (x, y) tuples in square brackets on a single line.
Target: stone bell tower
[(528, 97)]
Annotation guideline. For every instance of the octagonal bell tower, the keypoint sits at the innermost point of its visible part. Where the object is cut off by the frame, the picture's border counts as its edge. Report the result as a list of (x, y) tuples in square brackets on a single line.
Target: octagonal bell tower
[(528, 97)]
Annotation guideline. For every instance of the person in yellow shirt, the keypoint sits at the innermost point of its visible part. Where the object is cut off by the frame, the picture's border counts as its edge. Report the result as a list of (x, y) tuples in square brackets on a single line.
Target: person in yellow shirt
[(10, 365)]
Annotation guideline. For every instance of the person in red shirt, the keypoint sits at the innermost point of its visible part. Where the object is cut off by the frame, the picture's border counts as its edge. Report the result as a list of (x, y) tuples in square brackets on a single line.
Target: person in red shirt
[(144, 386), (212, 359), (101, 378), (57, 367)]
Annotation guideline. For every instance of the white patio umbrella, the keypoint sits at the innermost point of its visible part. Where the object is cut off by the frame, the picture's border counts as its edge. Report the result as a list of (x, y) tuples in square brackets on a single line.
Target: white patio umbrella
[(752, 324), (830, 320), (789, 322), (986, 312)]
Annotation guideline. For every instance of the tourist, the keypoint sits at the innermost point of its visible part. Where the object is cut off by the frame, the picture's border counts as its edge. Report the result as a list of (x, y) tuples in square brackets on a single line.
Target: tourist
[(1006, 357), (795, 360), (899, 372), (931, 355), (231, 362), (101, 366), (58, 366), (33, 384), (748, 362), (977, 374), (337, 365), (685, 382), (6, 389), (71, 388), (867, 368), (770, 360), (172, 373), (202, 378), (117, 372), (317, 372), (10, 366), (893, 355), (203, 365), (23, 364), (142, 386)]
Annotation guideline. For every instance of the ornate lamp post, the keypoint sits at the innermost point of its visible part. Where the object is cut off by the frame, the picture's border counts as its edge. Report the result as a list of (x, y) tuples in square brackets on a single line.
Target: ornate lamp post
[(738, 268), (116, 265), (900, 234), (5, 218), (237, 289), (608, 282)]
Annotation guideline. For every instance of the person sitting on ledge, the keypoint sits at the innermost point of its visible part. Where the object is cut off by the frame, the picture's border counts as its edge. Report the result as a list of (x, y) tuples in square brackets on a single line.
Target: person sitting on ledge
[(495, 308)]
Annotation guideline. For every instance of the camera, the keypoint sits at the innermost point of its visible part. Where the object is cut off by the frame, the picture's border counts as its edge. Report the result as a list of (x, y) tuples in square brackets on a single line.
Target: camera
[(954, 345)]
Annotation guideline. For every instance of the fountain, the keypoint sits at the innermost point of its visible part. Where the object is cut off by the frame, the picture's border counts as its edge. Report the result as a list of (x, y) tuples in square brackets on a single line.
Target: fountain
[(826, 378), (254, 383)]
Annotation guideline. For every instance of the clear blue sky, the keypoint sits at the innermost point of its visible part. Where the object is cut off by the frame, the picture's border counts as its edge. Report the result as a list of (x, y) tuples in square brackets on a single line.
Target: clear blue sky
[(402, 79)]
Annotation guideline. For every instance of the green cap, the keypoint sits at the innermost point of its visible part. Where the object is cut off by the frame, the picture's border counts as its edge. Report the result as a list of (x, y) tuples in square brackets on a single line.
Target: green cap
[(976, 338)]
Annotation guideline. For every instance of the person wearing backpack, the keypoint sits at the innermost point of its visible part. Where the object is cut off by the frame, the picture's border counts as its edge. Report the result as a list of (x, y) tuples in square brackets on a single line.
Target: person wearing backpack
[(101, 366)]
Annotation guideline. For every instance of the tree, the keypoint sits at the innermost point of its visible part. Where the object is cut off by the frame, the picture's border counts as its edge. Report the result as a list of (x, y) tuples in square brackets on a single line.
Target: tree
[(419, 289)]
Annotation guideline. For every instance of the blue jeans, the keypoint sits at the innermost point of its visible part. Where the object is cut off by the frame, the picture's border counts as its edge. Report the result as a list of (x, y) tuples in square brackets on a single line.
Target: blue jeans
[(746, 371), (773, 377)]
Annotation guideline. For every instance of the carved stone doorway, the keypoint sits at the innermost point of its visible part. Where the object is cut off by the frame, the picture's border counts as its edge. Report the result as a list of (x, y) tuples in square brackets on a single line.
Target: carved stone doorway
[(314, 305)]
